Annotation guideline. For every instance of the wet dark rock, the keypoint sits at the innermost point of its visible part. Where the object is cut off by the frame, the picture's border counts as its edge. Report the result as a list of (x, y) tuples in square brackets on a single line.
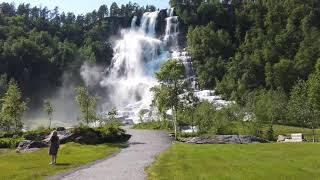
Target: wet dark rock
[(224, 139), (65, 136), (23, 144), (37, 144), (27, 144), (61, 129)]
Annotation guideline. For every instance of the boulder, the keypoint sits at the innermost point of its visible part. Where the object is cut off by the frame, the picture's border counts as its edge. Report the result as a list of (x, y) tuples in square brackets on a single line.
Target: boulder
[(37, 144), (27, 144), (65, 136), (61, 128), (23, 144), (87, 139)]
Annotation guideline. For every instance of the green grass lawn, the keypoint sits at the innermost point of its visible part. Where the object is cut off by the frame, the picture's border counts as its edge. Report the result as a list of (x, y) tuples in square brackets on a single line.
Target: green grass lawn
[(35, 165), (256, 161)]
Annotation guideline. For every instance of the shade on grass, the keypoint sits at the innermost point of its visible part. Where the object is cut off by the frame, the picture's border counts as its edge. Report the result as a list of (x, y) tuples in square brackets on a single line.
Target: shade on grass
[(258, 161), (36, 165)]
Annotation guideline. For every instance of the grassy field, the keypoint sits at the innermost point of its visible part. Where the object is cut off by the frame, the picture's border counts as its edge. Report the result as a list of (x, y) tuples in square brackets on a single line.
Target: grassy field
[(35, 165), (259, 161)]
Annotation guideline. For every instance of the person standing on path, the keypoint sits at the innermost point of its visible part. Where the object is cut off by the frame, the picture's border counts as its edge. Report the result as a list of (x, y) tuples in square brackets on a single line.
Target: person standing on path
[(54, 147)]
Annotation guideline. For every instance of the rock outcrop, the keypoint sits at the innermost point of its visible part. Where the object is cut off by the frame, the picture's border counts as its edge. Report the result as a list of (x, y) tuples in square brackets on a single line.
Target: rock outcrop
[(224, 139), (27, 144)]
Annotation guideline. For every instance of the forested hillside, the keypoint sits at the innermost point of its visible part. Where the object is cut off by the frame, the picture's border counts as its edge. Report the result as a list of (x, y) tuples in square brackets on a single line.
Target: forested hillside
[(252, 44), (38, 45), (259, 53), (262, 53)]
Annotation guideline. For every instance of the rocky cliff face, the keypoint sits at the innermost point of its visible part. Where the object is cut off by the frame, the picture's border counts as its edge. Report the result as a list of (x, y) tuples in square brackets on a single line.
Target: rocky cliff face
[(118, 23)]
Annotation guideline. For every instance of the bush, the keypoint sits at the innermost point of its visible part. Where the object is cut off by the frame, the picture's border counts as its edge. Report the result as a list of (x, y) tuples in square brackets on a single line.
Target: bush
[(104, 134), (113, 133), (37, 135), (10, 142), (154, 125), (86, 135), (10, 134)]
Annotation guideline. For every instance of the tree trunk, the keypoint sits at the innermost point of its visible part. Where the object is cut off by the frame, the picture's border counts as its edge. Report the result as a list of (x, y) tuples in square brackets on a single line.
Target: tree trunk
[(175, 123), (193, 124), (313, 133), (49, 122), (87, 113)]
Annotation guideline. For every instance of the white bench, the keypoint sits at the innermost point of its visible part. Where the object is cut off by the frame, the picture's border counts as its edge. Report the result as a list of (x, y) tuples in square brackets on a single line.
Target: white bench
[(298, 137)]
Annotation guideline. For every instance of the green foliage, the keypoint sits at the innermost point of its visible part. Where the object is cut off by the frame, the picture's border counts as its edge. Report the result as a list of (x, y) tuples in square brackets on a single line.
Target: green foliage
[(270, 107), (109, 133), (9, 143), (205, 116), (13, 107), (209, 49), (171, 78), (38, 45), (88, 105), (298, 105), (304, 106), (48, 108), (154, 125), (248, 45), (3, 84), (36, 135), (112, 133)]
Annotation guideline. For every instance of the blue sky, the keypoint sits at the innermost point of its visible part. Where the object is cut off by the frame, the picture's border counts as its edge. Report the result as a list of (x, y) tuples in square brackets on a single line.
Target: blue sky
[(84, 6)]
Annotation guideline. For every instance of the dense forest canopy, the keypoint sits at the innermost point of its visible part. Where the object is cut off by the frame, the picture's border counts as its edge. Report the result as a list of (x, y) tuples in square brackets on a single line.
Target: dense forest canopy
[(263, 54), (256, 52), (38, 45), (241, 45)]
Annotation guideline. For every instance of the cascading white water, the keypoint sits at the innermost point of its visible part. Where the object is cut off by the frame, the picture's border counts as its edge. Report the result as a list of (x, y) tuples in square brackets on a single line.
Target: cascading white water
[(172, 29), (137, 56)]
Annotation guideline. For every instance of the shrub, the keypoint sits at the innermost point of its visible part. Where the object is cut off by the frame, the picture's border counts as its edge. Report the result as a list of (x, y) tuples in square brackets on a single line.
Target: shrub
[(37, 135), (10, 142), (154, 125), (10, 134), (86, 135), (104, 134), (113, 133)]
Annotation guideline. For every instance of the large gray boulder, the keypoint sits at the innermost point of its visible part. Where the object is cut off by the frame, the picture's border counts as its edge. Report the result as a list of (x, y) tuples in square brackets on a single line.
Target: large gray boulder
[(37, 144), (27, 144)]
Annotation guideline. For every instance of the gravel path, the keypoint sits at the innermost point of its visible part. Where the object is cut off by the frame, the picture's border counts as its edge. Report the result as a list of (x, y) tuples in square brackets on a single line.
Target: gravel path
[(130, 163)]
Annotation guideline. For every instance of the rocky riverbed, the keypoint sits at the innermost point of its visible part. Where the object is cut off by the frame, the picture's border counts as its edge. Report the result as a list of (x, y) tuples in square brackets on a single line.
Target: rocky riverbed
[(224, 139)]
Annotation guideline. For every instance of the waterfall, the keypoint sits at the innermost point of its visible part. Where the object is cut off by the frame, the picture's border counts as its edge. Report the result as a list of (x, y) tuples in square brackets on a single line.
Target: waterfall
[(172, 29), (138, 54), (134, 22), (148, 22)]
